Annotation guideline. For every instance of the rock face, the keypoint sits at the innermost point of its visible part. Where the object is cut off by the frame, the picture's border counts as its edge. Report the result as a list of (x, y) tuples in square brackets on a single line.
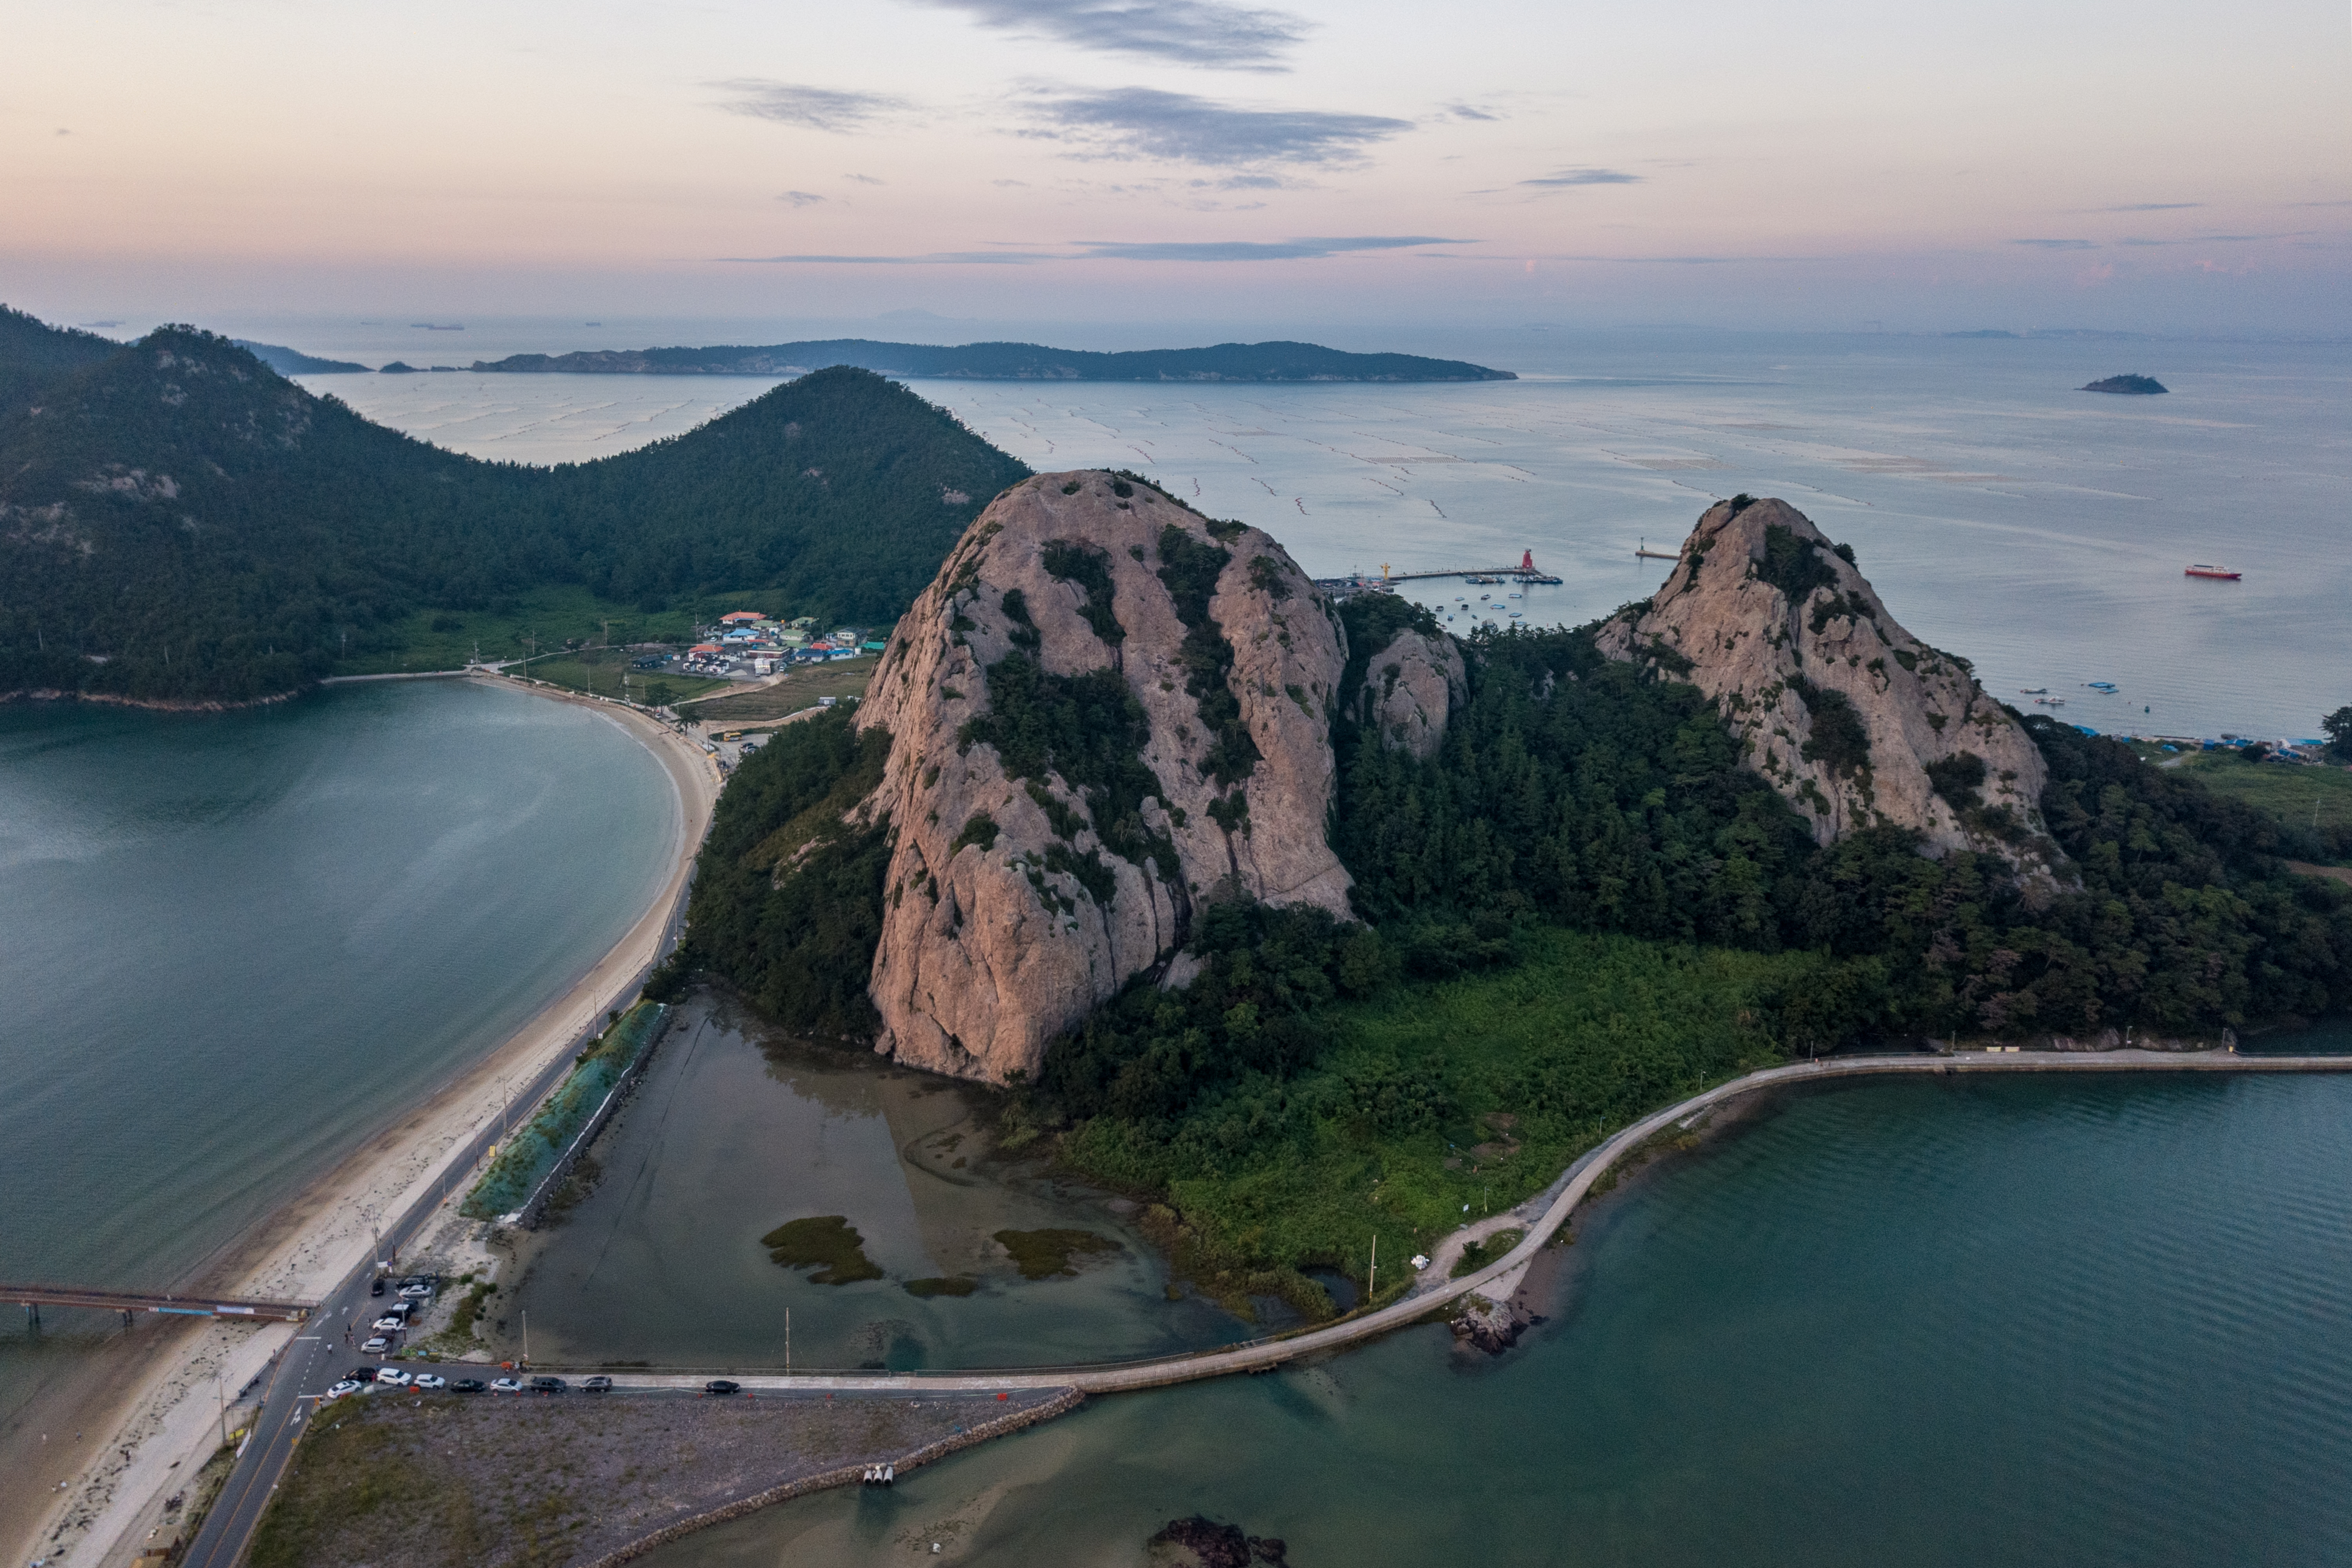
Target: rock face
[(1411, 688), (1105, 710), (1857, 722)]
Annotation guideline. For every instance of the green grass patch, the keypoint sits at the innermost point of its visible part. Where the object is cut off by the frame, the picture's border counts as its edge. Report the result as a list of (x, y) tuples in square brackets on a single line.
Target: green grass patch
[(531, 1151), (826, 1242), (1479, 1254), (799, 688), (2297, 794), (1587, 1033), (554, 615), (954, 1285), (1042, 1254), (605, 673)]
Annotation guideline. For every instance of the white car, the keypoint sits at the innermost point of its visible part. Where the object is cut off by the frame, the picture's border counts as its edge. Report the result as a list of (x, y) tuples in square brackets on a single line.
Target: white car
[(348, 1385), (506, 1385), (428, 1380), (389, 1325), (375, 1346), (393, 1379), (415, 1292)]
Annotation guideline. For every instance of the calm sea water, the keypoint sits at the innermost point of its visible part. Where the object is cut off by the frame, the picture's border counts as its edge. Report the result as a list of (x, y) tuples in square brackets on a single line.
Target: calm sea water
[(234, 945), (2038, 531), (1980, 1323), (731, 1137)]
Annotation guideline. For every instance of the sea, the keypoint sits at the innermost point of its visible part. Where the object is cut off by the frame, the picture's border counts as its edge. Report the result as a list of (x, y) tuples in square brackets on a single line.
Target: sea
[(2039, 531), (234, 946)]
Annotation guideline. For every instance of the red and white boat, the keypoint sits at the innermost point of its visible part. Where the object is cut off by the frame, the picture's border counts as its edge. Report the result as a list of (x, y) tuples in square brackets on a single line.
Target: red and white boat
[(2222, 573)]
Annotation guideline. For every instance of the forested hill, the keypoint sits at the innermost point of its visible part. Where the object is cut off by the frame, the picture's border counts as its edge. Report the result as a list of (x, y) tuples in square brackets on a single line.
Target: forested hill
[(1013, 361), (178, 523)]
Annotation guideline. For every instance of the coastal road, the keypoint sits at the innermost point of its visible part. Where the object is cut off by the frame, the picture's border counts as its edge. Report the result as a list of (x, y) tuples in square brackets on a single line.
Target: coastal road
[(314, 1361), (318, 1356)]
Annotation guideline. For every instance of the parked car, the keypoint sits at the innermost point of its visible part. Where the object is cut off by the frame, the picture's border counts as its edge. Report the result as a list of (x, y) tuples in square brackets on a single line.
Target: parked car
[(348, 1385), (548, 1385), (375, 1287), (431, 1380), (721, 1386), (598, 1385), (359, 1375), (389, 1324), (416, 1293), (401, 1310), (394, 1377), (506, 1385), (467, 1385), (379, 1346)]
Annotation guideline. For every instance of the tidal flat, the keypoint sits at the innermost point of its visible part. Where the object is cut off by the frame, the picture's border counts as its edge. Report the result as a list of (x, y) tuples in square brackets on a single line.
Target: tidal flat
[(735, 1136)]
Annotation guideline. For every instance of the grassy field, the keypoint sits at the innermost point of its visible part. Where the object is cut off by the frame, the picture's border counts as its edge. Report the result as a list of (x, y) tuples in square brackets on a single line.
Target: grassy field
[(601, 671), (799, 689), (2305, 796), (445, 638), (1502, 1078)]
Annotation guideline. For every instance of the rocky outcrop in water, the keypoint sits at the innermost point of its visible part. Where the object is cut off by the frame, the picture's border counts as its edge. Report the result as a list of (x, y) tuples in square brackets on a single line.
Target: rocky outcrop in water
[(1854, 720), (1105, 710), (1205, 1541), (1482, 1324)]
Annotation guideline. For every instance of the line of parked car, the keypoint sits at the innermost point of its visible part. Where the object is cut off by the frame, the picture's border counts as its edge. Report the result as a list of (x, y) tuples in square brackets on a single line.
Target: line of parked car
[(365, 1379)]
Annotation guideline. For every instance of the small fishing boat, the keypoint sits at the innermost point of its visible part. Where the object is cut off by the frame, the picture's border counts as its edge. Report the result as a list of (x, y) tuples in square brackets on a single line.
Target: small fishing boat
[(2108, 686), (2033, 691), (2049, 702), (2220, 573)]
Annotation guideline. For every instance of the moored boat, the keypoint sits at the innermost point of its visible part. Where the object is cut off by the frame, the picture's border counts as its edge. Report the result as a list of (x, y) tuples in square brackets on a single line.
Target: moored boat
[(2220, 573)]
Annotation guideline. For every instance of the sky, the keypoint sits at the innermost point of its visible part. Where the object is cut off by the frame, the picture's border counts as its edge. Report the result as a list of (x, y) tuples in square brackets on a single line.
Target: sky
[(2159, 166)]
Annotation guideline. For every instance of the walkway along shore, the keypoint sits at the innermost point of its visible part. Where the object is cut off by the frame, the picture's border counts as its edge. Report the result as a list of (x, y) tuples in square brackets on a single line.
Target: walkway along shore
[(1542, 1217), (163, 1420)]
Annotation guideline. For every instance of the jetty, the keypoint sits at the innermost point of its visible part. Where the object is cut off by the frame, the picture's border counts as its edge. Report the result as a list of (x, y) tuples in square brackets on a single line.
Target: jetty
[(1527, 572)]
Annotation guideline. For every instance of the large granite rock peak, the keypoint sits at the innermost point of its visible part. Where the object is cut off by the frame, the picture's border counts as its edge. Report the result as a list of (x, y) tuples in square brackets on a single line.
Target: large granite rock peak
[(1104, 711), (1854, 720)]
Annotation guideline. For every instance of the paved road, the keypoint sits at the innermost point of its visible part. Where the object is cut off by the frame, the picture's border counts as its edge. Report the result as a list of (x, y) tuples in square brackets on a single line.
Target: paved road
[(313, 1363), (318, 1356)]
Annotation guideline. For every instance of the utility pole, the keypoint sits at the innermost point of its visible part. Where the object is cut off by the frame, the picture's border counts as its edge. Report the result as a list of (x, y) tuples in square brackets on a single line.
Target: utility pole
[(526, 1336), (1372, 1282), (221, 1393), (788, 1341)]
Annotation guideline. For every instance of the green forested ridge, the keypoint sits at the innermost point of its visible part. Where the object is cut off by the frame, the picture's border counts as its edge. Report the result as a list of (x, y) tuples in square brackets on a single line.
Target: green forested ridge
[(179, 523)]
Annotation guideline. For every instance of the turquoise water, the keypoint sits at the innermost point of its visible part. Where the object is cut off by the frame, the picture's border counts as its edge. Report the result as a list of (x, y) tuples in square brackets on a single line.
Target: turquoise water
[(235, 945), (2027, 1321)]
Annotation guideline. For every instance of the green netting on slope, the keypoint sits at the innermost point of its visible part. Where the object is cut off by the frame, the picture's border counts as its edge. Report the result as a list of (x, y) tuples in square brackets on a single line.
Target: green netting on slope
[(526, 1157)]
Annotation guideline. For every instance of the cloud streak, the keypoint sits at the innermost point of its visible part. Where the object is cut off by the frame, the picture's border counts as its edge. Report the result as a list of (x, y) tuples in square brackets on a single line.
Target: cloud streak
[(812, 108), (1180, 127), (801, 198), (2056, 244), (1130, 250), (1186, 32), (1567, 178)]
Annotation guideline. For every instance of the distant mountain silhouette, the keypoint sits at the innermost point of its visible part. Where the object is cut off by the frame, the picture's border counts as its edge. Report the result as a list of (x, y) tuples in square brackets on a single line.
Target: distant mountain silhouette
[(1252, 362)]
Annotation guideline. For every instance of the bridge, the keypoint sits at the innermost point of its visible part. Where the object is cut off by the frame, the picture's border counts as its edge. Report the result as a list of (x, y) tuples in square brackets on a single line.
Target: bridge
[(33, 1298)]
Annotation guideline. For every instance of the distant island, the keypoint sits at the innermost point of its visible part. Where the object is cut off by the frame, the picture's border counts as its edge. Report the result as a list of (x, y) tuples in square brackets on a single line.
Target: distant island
[(294, 362), (2129, 386), (1254, 362)]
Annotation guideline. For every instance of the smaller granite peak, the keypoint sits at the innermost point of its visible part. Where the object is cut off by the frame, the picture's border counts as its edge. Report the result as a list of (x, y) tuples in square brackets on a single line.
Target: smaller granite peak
[(1857, 722), (2128, 386)]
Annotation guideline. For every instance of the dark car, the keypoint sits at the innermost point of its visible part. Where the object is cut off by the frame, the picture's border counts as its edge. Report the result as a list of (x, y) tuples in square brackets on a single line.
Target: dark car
[(375, 1287), (547, 1385), (359, 1375), (598, 1385), (467, 1385), (721, 1386)]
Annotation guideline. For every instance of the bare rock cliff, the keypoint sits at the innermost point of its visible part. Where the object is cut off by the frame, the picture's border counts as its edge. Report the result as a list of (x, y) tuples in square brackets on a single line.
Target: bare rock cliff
[(1411, 688), (1856, 721), (1105, 710)]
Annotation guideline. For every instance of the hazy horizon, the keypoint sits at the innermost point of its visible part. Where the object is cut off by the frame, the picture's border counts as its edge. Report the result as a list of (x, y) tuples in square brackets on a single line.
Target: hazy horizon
[(1285, 171)]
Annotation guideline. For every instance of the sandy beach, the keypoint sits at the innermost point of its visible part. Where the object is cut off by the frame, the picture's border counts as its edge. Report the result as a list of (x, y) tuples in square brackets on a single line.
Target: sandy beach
[(102, 1445)]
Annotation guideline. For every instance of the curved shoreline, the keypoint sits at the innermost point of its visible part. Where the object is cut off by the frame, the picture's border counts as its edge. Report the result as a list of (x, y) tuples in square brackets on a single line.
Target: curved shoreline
[(319, 1235)]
